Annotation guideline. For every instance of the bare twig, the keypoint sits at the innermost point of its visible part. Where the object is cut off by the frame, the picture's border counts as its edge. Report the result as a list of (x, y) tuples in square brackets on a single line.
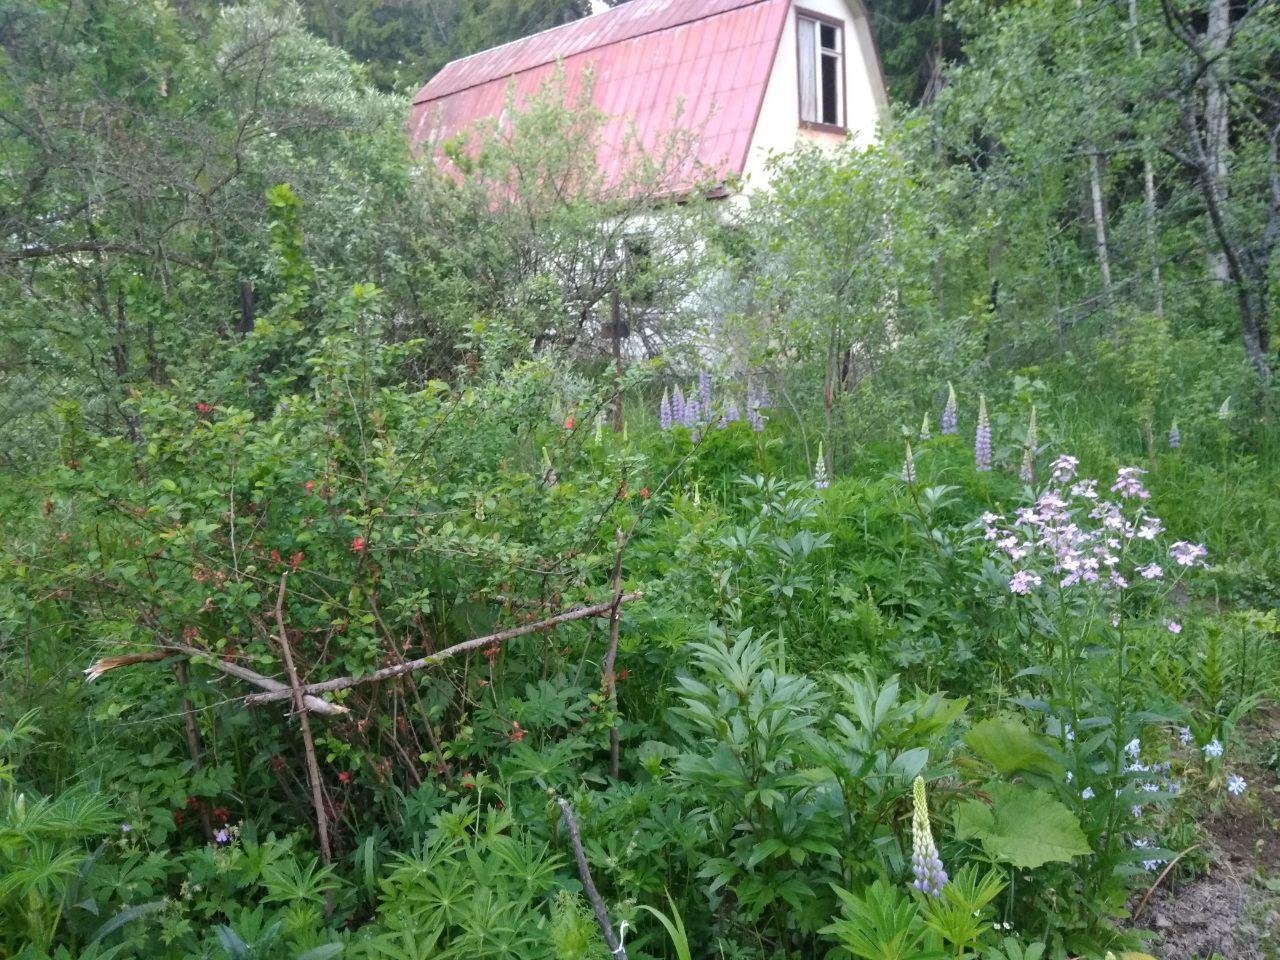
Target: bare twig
[(308, 743), (611, 654), (193, 741), (588, 885), (1160, 879), (411, 666)]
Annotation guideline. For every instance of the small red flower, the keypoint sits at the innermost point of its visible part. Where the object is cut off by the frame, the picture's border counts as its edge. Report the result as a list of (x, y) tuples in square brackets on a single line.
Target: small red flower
[(490, 652), (467, 782), (309, 486), (221, 814), (344, 776), (357, 544), (277, 763), (275, 556), (622, 674), (295, 561), (568, 422), (516, 734), (203, 408), (644, 493)]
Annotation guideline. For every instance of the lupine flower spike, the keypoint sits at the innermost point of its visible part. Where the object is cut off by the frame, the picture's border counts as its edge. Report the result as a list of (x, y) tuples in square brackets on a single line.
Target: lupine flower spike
[(677, 405), (982, 439), (924, 428), (930, 877), (690, 418), (908, 474), (950, 421), (664, 411), (548, 471), (599, 434), (704, 391), (1224, 411), (820, 481), (1028, 472), (1175, 437)]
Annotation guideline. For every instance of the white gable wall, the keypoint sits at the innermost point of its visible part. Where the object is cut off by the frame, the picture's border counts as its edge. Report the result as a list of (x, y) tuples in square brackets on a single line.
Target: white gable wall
[(778, 128)]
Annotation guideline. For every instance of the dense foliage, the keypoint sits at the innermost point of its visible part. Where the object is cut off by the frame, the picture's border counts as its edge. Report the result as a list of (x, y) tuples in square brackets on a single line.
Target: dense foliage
[(883, 568)]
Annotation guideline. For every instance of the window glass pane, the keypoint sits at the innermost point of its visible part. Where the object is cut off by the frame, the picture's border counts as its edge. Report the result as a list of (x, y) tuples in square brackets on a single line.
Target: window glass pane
[(831, 89), (807, 49), (828, 37)]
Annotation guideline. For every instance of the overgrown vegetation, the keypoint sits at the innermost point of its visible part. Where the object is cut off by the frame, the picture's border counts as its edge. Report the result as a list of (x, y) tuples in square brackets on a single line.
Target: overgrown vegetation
[(885, 568)]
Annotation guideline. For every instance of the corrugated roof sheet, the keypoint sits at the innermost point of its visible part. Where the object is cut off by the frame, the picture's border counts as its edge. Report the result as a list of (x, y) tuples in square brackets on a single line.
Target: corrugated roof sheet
[(659, 66)]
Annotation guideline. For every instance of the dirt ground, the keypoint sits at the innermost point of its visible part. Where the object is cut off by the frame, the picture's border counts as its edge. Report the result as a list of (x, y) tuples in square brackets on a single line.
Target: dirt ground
[(1233, 911)]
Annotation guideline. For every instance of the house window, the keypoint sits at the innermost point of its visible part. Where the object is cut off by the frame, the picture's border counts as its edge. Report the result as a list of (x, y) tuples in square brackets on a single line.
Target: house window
[(821, 49)]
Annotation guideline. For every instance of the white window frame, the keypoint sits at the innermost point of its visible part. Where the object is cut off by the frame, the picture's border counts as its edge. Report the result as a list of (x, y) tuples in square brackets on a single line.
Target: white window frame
[(811, 59)]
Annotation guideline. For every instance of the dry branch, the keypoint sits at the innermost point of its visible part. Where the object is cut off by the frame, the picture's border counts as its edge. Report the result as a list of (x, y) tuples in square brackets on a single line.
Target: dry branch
[(172, 648), (588, 885), (410, 666)]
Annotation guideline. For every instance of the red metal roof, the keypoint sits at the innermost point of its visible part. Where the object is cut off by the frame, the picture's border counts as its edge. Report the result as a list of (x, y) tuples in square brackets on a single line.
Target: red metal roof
[(659, 66)]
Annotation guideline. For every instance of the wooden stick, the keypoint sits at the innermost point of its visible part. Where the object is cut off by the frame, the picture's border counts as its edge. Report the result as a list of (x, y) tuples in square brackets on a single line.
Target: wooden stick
[(194, 745), (1160, 879), (308, 744), (314, 704), (611, 654), (411, 666), (584, 874)]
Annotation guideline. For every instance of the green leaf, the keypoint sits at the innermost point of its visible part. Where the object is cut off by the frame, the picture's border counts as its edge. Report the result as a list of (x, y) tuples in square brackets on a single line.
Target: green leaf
[(1011, 748), (1023, 827)]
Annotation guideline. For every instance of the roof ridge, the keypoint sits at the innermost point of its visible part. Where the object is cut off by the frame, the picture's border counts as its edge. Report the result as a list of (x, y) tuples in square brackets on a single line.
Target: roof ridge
[(621, 8)]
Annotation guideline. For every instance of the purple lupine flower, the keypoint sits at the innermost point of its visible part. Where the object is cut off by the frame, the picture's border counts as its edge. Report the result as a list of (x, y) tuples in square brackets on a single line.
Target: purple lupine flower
[(982, 439), (820, 480), (704, 392), (908, 475), (1188, 554), (1175, 436), (690, 418), (950, 420), (1028, 472), (930, 877), (730, 414), (677, 405), (664, 411)]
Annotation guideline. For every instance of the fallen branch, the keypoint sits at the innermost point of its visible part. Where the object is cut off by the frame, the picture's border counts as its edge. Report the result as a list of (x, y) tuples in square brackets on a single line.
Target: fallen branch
[(171, 648), (282, 692), (588, 885), (308, 743), (313, 704)]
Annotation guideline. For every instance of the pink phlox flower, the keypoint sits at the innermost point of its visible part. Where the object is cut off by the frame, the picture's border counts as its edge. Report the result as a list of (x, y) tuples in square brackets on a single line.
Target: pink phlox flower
[(1188, 554), (1150, 529), (1129, 483), (1022, 582), (1151, 571), (1088, 489), (1064, 468)]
